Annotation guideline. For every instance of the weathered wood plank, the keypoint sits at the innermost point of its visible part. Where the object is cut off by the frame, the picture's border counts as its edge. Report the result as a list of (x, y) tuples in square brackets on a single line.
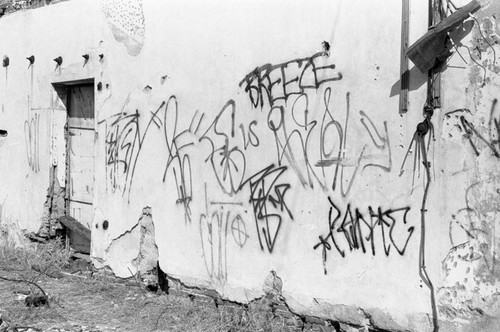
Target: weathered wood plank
[(431, 46), (75, 226), (405, 74)]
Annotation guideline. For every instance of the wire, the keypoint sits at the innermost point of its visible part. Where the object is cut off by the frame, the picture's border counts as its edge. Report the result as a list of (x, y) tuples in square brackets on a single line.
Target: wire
[(449, 8), (449, 2), (456, 48), (486, 40), (421, 259), (477, 63)]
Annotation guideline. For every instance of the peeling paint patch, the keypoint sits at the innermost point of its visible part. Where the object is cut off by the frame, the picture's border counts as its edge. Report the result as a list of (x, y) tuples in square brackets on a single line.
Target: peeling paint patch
[(471, 288), (476, 75), (148, 250), (126, 20), (54, 207), (135, 249), (483, 50), (362, 319)]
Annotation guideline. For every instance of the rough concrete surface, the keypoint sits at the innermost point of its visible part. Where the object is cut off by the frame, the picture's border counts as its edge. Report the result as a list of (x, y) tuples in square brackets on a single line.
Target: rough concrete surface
[(228, 142)]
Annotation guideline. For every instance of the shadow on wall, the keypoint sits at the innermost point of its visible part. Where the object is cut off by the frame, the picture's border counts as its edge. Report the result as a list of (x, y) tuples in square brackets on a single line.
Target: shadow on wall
[(453, 41)]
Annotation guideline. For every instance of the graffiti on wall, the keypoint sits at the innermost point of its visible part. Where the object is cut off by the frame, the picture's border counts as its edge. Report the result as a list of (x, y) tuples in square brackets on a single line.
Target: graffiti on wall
[(471, 272), (319, 151), (269, 83), (125, 137), (475, 223), (32, 141), (226, 158), (216, 223), (123, 145), (239, 231), (480, 138), (267, 196), (314, 148), (333, 160), (356, 231)]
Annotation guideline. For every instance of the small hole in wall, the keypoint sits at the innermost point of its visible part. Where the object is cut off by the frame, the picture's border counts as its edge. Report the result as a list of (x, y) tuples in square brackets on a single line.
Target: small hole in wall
[(325, 45), (105, 225), (107, 85), (326, 48), (96, 225), (3, 133), (99, 86)]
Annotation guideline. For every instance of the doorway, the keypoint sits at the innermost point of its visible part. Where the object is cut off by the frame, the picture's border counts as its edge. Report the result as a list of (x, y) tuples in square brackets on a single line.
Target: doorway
[(80, 136)]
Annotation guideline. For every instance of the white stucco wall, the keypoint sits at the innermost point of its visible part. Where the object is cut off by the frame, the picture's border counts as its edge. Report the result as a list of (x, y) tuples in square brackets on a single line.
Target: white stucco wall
[(180, 67)]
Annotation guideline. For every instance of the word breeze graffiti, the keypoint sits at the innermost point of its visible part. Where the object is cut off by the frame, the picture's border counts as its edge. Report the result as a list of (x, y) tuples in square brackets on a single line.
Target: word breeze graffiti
[(314, 144), (357, 231), (272, 83)]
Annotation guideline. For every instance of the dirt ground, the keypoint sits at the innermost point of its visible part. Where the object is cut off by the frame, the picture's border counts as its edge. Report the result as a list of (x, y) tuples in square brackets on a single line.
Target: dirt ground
[(94, 302), (91, 304)]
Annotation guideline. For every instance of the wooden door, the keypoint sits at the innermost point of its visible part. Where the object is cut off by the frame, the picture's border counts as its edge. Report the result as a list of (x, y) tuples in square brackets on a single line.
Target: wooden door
[(81, 136)]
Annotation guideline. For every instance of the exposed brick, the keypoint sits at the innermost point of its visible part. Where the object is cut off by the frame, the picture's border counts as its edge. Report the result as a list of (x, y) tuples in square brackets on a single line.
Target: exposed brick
[(283, 313), (281, 307), (294, 321), (209, 292), (315, 320), (265, 308), (178, 292)]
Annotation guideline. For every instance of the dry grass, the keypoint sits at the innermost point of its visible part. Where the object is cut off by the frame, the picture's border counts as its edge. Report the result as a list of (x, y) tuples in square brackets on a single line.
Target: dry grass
[(96, 303), (44, 258)]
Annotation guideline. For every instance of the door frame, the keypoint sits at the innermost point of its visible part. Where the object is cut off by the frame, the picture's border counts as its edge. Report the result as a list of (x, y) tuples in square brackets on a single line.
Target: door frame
[(63, 90), (67, 137)]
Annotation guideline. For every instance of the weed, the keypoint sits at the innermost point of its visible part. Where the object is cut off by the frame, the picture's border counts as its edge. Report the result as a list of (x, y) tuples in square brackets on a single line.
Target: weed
[(97, 300)]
